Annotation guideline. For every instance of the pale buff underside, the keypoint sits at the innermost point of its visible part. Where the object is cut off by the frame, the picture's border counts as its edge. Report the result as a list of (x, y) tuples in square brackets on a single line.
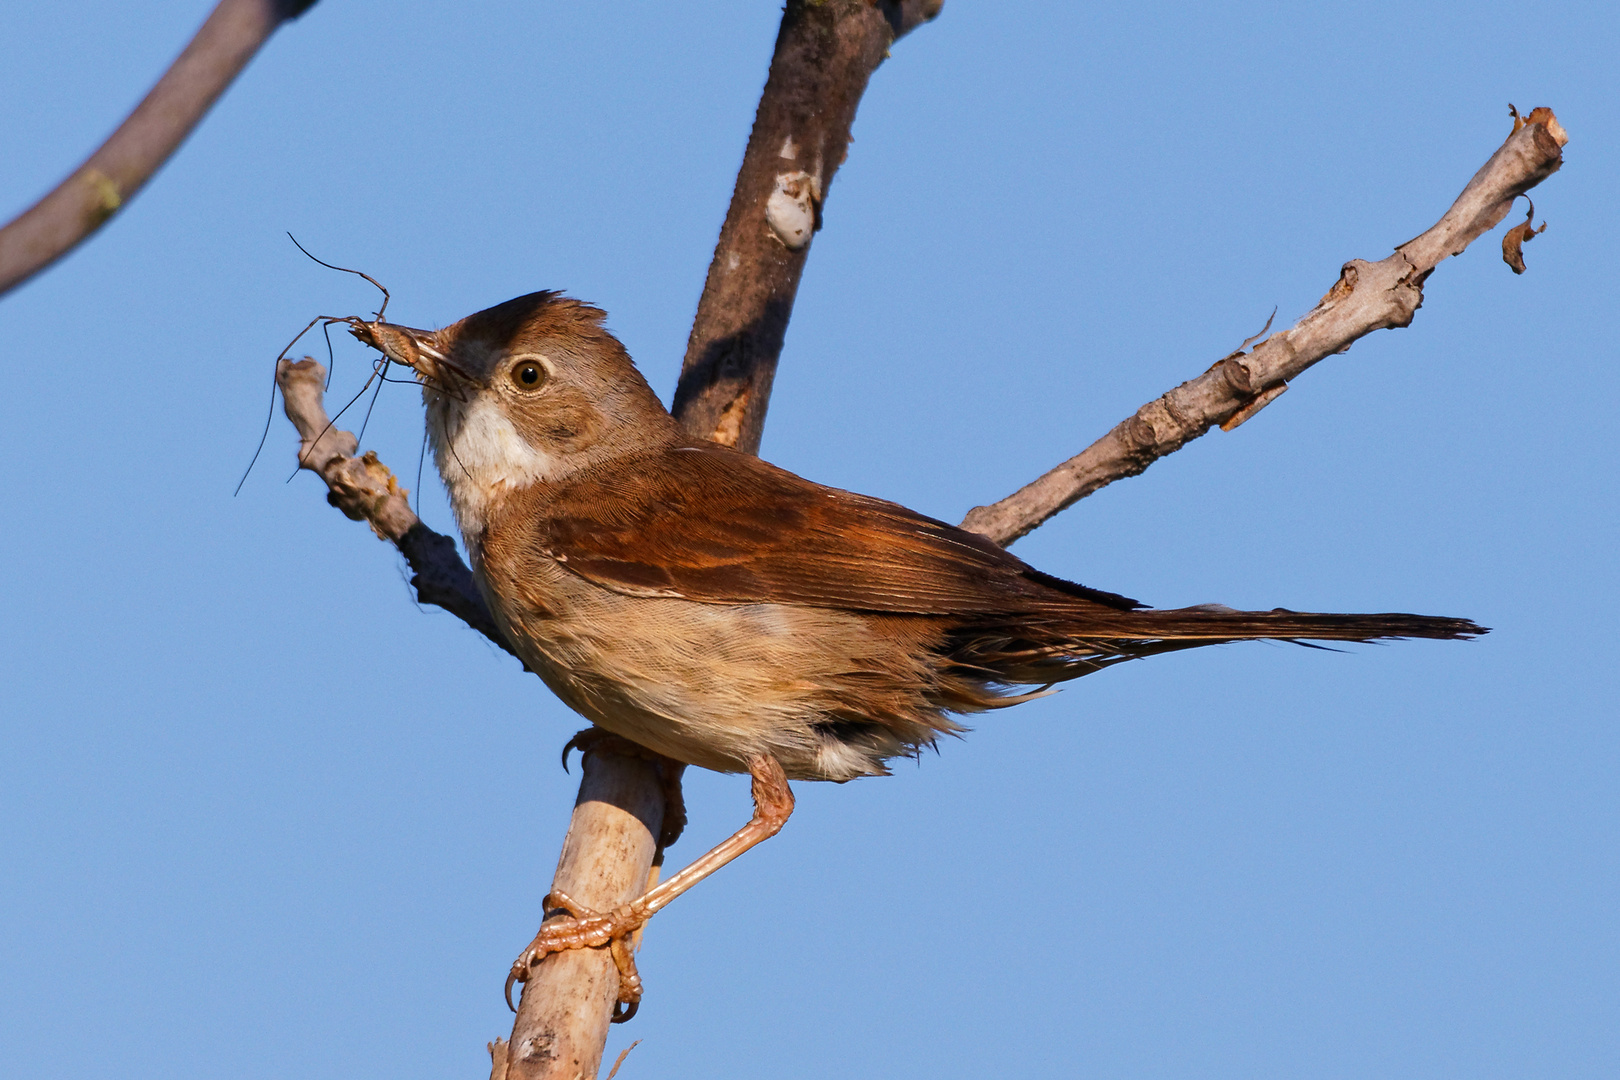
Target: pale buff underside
[(715, 684), (711, 685)]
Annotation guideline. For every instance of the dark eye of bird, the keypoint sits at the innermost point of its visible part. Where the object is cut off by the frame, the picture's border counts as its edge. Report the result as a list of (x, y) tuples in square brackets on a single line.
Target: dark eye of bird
[(528, 376)]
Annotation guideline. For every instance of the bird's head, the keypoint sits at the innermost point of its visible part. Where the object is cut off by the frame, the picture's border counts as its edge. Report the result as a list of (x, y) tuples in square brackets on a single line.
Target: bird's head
[(529, 391)]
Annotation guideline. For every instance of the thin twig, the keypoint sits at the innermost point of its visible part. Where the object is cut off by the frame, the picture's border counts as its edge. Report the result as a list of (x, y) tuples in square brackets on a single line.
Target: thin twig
[(1367, 297), (99, 188)]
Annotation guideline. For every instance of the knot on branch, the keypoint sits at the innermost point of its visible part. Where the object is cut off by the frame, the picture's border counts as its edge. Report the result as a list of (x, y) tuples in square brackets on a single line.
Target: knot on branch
[(1236, 373), (1349, 275), (362, 488)]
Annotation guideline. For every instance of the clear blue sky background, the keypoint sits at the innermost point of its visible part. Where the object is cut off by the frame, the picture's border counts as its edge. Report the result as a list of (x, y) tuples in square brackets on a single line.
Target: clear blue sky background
[(261, 817)]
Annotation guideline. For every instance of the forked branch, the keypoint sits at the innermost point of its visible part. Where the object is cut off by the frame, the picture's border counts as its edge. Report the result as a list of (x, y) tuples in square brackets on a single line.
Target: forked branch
[(619, 801), (1367, 297)]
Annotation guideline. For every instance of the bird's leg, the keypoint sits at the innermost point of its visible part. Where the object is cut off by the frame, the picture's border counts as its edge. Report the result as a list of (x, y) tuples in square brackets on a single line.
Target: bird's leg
[(587, 929)]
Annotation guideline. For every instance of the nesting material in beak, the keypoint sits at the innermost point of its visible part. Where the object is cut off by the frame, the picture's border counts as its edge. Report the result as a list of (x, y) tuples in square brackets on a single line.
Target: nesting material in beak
[(416, 349)]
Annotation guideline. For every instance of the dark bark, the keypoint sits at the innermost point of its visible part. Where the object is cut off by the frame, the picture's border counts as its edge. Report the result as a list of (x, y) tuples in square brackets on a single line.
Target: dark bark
[(825, 53)]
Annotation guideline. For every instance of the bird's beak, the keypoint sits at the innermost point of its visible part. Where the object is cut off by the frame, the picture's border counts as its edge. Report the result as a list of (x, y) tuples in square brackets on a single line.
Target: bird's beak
[(419, 350)]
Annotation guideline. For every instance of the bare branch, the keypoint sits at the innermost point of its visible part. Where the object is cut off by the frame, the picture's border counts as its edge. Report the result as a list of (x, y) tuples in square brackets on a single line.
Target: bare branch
[(1367, 297), (607, 860), (365, 490), (825, 53), (96, 190)]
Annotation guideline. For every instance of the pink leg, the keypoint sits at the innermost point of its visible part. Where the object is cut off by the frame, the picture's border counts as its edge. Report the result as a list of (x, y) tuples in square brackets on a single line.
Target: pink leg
[(586, 929)]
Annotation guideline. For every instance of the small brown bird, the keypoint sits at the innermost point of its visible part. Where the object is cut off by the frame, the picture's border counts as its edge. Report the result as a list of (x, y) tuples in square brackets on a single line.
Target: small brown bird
[(729, 614)]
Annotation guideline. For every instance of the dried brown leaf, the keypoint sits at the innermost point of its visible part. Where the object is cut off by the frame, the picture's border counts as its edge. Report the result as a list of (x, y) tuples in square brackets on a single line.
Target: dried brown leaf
[(1519, 235)]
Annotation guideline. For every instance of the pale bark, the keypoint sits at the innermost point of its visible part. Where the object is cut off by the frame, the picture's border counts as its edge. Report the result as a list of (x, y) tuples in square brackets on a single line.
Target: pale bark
[(105, 183), (567, 1004), (1367, 297)]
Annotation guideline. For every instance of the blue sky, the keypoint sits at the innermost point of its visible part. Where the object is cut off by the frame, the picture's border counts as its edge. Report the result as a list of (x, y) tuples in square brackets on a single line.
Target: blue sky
[(259, 815)]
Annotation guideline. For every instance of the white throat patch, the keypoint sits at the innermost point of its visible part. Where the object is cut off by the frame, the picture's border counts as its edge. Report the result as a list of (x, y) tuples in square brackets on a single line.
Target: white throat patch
[(481, 458)]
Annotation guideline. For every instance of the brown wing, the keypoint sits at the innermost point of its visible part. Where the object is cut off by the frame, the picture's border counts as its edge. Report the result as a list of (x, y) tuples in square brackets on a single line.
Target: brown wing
[(717, 526)]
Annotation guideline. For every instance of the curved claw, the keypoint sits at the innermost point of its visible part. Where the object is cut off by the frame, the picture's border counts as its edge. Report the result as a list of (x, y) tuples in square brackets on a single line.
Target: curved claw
[(575, 743), (622, 1015), (511, 979)]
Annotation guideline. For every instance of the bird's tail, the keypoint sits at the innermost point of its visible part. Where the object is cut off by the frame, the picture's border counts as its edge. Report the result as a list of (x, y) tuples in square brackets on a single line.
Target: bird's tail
[(1211, 623), (990, 657)]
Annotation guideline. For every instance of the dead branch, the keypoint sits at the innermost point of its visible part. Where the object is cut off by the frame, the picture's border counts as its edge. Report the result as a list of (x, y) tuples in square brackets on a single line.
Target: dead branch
[(825, 53), (365, 490), (1367, 297), (607, 860), (96, 190)]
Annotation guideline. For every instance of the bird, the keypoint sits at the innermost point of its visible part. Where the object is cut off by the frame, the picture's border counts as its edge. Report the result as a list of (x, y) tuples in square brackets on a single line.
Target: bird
[(725, 613)]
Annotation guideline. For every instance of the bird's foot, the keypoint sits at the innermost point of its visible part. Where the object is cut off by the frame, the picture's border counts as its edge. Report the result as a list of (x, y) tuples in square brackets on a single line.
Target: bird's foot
[(587, 929)]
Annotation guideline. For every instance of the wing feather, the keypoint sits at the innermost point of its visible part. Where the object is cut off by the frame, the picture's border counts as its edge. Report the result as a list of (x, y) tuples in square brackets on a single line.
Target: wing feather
[(713, 525)]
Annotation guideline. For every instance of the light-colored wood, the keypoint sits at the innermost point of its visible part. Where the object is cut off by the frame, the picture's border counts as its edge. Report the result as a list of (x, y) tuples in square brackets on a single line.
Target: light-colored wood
[(567, 1004), (1367, 297)]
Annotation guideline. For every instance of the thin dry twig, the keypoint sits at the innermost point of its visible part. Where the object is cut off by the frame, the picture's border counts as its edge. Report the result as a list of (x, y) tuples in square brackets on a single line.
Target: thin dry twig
[(1367, 297), (96, 190), (620, 1059)]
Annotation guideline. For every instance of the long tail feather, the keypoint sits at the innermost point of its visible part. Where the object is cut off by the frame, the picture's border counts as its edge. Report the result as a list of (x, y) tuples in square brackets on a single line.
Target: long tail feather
[(1223, 624)]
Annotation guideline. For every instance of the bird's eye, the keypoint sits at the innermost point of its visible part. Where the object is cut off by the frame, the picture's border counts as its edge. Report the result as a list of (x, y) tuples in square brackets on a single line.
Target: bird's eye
[(528, 375)]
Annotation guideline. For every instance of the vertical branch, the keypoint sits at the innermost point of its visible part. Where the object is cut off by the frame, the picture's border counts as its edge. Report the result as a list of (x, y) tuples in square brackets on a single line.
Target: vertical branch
[(562, 1021), (825, 53), (112, 175)]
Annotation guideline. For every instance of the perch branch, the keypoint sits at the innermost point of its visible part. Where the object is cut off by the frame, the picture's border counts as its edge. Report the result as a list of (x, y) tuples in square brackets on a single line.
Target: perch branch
[(825, 53), (611, 846), (1367, 297), (112, 175)]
